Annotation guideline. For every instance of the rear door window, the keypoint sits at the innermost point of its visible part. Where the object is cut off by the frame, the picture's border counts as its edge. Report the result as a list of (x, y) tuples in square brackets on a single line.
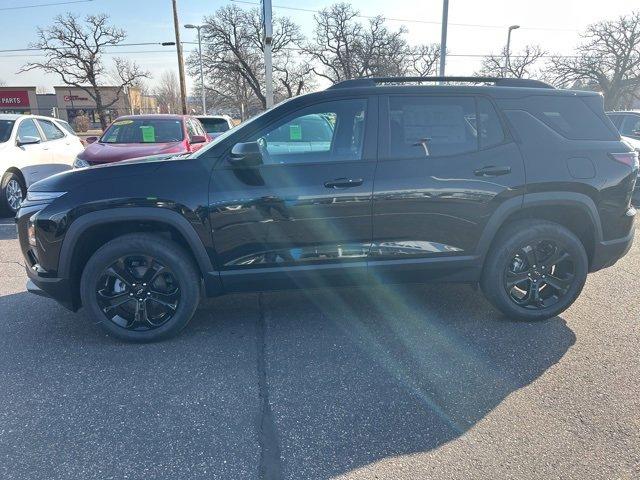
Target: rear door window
[(490, 130), (50, 130), (431, 126)]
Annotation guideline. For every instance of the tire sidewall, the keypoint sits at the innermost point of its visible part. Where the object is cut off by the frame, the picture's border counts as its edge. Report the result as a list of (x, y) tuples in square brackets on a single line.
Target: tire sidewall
[(166, 252), (494, 273), (4, 202)]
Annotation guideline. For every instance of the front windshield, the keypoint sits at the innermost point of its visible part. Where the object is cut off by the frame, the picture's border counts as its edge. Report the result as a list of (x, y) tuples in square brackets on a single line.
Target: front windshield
[(157, 130), (5, 130)]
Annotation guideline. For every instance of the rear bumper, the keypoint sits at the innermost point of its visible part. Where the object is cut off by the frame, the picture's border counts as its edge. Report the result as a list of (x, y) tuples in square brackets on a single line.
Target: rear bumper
[(606, 253)]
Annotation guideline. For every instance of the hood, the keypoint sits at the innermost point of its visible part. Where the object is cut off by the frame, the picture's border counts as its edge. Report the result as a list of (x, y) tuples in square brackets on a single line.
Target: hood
[(70, 179), (115, 152)]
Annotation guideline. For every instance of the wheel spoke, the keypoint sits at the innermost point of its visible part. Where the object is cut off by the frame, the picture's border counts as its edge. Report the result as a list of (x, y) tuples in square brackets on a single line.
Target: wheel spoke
[(154, 297), (514, 279), (560, 284), (154, 270), (529, 253), (117, 304), (533, 295), (558, 256)]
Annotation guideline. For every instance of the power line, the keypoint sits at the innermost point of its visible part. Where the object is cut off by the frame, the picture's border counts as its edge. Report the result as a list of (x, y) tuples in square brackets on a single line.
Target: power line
[(411, 20), (22, 7)]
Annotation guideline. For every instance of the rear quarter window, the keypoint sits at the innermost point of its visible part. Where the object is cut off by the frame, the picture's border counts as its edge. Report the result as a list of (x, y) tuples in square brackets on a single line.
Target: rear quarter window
[(571, 117)]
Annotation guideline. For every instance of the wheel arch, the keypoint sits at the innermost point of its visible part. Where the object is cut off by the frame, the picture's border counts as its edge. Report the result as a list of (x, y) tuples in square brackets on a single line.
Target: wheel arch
[(18, 172), (92, 230), (575, 211)]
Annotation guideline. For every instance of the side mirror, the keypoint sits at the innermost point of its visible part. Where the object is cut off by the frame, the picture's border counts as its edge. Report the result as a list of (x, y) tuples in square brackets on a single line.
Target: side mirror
[(636, 133), (28, 140), (246, 154), (198, 139), (92, 139)]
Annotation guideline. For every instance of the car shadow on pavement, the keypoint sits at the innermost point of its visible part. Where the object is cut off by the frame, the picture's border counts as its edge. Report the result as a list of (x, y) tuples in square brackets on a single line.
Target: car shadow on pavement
[(357, 376), (348, 377)]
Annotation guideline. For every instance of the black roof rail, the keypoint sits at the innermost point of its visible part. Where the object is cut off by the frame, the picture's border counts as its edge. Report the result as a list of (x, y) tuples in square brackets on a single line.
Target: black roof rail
[(497, 81)]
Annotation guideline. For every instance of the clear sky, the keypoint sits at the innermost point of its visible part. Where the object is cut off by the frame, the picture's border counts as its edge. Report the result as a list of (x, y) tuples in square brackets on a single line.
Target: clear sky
[(476, 27)]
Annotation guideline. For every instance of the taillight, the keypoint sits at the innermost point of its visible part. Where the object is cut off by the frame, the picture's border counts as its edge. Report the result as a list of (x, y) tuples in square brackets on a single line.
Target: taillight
[(627, 158)]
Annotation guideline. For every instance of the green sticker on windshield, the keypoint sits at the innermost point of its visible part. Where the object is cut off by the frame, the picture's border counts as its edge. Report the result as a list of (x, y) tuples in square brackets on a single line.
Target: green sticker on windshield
[(295, 132), (148, 133)]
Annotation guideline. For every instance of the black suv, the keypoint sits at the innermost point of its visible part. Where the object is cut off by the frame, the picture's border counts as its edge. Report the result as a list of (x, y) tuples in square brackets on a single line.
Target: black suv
[(511, 184)]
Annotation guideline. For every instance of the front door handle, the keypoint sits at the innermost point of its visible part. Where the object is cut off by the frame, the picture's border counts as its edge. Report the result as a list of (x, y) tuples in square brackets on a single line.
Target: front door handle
[(492, 171), (343, 183)]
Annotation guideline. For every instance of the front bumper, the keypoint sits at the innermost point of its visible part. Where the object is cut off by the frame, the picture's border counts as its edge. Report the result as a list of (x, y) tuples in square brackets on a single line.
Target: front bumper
[(607, 253), (58, 289)]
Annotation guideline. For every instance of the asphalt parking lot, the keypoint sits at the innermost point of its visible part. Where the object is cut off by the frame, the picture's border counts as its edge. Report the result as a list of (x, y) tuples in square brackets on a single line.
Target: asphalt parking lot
[(386, 383)]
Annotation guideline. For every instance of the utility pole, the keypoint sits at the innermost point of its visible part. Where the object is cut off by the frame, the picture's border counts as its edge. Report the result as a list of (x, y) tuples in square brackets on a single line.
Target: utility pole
[(443, 37), (202, 91), (506, 56), (268, 65), (183, 87)]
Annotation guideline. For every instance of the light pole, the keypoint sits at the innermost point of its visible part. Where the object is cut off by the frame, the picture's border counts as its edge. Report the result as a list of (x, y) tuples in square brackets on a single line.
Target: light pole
[(183, 86), (204, 98), (267, 27), (443, 37), (506, 57)]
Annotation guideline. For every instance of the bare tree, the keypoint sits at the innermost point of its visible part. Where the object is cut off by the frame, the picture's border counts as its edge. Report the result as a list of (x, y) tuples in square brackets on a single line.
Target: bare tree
[(168, 92), (423, 60), (74, 49), (522, 64), (233, 53), (607, 60), (342, 47)]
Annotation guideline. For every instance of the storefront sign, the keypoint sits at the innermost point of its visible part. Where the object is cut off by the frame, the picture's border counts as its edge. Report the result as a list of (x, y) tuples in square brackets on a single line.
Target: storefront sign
[(73, 98), (14, 98)]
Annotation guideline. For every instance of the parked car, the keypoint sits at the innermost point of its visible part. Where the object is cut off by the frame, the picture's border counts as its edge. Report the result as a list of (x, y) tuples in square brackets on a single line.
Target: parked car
[(31, 148), (516, 186), (216, 125), (628, 123), (135, 136)]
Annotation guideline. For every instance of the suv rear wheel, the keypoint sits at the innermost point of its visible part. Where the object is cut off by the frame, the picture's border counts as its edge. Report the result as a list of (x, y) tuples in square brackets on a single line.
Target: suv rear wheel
[(140, 288), (535, 270)]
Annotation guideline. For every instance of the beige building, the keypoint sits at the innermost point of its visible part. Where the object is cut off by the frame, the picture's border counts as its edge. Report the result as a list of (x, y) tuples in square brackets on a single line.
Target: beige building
[(72, 102)]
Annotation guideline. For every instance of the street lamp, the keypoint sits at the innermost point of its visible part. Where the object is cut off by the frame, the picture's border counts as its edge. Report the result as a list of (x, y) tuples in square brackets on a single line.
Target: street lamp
[(204, 100), (506, 57)]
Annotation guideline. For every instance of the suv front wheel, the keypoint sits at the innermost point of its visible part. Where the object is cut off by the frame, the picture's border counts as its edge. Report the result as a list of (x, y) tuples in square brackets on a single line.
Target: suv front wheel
[(140, 288), (535, 270)]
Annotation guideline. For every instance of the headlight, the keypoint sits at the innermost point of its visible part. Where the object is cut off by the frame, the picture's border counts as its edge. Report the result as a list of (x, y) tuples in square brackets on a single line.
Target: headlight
[(43, 196), (80, 163)]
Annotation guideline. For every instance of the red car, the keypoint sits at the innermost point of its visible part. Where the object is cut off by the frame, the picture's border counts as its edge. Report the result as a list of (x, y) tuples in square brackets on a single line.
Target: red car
[(135, 136)]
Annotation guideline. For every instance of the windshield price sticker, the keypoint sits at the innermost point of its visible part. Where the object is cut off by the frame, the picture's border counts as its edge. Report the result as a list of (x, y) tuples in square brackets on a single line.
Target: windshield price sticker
[(148, 133), (295, 132)]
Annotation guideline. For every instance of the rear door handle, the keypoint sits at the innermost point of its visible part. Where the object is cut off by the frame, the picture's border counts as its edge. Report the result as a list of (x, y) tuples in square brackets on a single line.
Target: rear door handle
[(492, 171), (343, 183)]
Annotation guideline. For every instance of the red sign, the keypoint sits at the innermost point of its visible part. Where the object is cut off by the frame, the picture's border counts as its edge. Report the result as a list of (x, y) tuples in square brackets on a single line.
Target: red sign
[(14, 98)]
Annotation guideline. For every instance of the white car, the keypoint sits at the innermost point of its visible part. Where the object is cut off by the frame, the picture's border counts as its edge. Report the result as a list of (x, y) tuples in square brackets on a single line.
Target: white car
[(32, 148)]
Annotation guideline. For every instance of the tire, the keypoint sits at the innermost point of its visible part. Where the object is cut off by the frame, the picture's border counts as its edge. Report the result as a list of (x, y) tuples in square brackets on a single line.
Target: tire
[(114, 291), (510, 260), (11, 182)]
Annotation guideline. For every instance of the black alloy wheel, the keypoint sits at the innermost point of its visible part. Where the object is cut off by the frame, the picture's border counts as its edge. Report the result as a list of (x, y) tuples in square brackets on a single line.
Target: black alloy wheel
[(535, 270), (141, 287), (138, 292), (539, 275)]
